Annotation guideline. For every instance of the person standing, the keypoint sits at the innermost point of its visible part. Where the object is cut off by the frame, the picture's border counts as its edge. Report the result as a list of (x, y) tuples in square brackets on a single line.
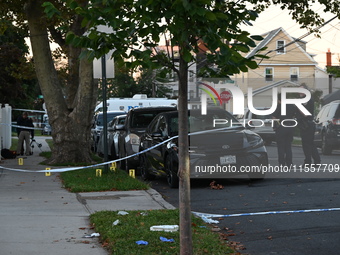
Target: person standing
[(24, 133), (307, 131), (284, 131)]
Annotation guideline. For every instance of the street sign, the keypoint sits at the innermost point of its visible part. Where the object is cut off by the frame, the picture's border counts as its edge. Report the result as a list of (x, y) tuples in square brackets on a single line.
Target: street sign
[(225, 96)]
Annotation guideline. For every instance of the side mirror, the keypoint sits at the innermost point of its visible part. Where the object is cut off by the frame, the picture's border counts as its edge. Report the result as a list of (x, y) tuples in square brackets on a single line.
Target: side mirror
[(119, 127), (156, 134)]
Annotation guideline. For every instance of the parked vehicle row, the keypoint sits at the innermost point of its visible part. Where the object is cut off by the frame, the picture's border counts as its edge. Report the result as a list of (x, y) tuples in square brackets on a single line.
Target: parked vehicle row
[(124, 133), (98, 124), (112, 138), (218, 144)]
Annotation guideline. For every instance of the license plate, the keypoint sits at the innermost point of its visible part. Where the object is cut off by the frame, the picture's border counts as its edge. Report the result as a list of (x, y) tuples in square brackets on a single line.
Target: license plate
[(229, 159)]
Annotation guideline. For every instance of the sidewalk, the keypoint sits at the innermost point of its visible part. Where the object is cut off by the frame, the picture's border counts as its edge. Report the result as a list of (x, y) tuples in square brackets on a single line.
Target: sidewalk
[(38, 216)]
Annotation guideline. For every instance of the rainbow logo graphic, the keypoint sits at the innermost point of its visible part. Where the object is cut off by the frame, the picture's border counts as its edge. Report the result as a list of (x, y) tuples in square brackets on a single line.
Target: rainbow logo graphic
[(211, 91)]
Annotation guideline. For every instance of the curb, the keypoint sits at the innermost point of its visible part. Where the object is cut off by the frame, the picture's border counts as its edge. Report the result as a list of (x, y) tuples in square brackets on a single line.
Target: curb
[(157, 197)]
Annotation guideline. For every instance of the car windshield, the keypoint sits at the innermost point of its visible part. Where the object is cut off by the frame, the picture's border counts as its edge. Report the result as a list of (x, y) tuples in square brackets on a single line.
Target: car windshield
[(110, 116), (142, 119)]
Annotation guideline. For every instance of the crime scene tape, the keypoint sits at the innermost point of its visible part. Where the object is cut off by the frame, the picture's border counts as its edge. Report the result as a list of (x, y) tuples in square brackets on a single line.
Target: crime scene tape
[(86, 167), (22, 127), (60, 170), (206, 215)]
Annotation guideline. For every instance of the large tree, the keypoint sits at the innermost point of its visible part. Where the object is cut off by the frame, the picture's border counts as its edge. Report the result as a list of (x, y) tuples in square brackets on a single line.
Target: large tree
[(70, 106)]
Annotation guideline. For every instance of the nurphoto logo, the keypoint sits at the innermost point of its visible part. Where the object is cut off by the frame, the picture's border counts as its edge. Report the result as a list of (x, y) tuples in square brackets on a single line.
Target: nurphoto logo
[(239, 98)]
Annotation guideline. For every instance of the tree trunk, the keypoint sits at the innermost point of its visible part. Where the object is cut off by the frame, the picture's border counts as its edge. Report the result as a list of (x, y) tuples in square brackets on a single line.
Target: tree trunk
[(71, 123), (184, 164)]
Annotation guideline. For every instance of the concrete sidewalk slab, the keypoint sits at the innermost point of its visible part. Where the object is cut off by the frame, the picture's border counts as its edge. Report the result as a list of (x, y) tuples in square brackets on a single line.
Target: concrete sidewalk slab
[(38, 216)]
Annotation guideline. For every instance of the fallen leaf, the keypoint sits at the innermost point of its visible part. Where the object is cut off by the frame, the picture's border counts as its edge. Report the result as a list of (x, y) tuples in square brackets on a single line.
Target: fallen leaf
[(215, 229)]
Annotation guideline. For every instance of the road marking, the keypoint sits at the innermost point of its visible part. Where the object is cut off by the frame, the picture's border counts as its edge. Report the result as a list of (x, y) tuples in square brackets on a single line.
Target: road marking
[(207, 215)]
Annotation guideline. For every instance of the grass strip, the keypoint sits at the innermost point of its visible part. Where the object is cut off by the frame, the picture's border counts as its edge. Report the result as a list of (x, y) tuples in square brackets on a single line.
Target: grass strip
[(121, 239), (87, 180)]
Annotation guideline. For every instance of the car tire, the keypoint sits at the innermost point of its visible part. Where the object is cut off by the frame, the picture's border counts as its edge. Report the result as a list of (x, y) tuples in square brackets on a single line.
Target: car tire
[(325, 147), (171, 169), (144, 168), (113, 155), (121, 163), (126, 163)]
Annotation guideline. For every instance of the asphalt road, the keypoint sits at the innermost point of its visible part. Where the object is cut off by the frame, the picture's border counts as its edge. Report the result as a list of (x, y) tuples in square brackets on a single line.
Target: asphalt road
[(287, 233)]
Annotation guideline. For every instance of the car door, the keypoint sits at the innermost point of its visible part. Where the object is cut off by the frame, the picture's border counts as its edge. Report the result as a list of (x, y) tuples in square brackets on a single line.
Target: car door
[(321, 122), (115, 135), (155, 134), (160, 134), (318, 127)]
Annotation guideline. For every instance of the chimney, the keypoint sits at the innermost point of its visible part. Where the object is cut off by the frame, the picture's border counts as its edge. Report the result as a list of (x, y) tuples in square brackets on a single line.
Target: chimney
[(328, 58)]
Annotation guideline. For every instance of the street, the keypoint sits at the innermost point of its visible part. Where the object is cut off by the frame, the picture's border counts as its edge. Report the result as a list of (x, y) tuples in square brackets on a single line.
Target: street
[(282, 233)]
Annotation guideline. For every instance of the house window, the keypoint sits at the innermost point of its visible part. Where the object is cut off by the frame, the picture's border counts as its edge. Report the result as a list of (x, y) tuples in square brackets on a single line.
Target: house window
[(280, 47), (294, 74), (269, 73)]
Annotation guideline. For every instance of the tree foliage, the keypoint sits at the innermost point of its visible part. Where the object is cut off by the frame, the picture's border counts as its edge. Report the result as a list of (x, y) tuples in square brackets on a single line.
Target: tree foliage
[(18, 83)]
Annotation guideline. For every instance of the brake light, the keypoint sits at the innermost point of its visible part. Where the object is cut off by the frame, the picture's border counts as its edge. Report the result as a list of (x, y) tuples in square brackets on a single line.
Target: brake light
[(336, 121)]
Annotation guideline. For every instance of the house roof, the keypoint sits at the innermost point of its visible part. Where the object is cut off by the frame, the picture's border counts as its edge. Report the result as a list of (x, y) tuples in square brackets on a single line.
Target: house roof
[(274, 85), (269, 36)]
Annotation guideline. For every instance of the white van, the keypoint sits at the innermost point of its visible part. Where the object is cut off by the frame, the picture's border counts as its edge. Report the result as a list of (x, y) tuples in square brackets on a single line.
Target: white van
[(138, 100)]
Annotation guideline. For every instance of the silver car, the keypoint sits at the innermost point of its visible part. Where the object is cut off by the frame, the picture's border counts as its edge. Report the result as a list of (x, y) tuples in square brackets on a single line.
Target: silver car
[(112, 138)]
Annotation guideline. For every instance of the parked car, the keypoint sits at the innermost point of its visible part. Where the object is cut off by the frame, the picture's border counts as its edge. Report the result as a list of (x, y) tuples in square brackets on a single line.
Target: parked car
[(112, 138), (98, 125), (220, 145), (136, 122), (260, 124), (327, 130)]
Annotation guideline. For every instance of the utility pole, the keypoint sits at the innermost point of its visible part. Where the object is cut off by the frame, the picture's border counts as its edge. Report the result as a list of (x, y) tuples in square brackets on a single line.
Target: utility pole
[(106, 167)]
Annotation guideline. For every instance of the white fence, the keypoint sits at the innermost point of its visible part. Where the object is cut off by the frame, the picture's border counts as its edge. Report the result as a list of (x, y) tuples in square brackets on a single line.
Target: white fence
[(5, 127)]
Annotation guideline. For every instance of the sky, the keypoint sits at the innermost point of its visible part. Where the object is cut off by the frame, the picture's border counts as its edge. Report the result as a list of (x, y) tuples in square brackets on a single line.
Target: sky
[(274, 18)]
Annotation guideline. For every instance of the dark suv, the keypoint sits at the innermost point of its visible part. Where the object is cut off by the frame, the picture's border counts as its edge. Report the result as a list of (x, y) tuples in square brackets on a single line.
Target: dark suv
[(327, 132), (136, 122)]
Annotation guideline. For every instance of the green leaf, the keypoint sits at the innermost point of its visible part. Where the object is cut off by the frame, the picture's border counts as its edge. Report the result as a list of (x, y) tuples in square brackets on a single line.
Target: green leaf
[(50, 9), (252, 64), (69, 37), (210, 16), (256, 37), (187, 57)]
